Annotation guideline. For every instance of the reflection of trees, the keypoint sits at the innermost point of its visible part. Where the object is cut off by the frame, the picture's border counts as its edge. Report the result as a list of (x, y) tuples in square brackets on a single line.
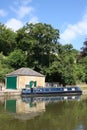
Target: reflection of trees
[(68, 115), (65, 115)]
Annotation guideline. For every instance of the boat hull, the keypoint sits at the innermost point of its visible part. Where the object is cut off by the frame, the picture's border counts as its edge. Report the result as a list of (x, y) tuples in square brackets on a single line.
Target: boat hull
[(52, 91)]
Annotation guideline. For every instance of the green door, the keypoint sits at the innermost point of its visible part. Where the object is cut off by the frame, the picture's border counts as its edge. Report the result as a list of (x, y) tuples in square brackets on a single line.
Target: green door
[(11, 82)]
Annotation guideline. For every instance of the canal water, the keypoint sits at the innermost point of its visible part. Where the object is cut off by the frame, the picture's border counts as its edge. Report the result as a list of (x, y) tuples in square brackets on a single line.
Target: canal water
[(43, 113)]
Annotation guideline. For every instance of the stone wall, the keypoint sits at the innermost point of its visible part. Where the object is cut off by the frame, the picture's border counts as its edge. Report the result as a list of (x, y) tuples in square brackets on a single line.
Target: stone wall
[(22, 81)]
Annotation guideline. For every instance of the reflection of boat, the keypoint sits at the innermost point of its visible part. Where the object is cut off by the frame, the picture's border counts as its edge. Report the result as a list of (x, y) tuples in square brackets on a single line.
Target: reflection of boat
[(29, 107), (52, 90), (49, 98)]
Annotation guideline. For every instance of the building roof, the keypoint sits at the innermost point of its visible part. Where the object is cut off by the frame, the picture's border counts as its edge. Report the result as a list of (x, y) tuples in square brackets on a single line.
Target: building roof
[(25, 72)]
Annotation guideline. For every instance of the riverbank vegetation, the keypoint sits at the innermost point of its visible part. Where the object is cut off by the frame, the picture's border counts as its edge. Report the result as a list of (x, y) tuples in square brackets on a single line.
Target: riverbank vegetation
[(37, 46)]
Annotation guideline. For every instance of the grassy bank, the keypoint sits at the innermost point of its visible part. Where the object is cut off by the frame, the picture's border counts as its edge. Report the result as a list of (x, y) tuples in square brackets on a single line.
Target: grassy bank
[(83, 88)]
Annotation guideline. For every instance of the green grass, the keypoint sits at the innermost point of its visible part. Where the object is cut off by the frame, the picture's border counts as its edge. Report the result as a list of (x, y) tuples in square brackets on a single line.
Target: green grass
[(83, 88)]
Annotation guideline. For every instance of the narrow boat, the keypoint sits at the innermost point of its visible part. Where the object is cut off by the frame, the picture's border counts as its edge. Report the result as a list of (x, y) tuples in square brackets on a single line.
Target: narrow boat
[(52, 90)]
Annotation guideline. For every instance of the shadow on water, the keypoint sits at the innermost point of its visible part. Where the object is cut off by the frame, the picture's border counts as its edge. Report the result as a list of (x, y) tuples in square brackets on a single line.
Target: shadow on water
[(43, 113)]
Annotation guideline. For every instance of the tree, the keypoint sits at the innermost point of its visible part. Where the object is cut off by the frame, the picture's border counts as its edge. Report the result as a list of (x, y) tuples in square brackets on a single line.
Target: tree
[(63, 69), (84, 49), (83, 64), (16, 59), (37, 40), (4, 67), (7, 40)]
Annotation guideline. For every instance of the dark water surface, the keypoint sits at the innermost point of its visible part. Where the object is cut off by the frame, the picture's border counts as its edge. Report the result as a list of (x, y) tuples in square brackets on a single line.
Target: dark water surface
[(43, 113)]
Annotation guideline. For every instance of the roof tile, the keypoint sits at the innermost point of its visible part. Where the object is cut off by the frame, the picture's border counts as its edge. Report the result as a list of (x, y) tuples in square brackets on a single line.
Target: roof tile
[(26, 72)]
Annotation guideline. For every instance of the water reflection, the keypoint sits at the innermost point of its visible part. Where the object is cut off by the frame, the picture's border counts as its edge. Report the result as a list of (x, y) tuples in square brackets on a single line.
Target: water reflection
[(49, 99), (43, 113), (24, 110), (30, 107)]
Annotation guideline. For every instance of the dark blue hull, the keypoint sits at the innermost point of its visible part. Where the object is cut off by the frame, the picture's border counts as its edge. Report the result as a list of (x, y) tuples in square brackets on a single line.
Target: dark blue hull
[(52, 91)]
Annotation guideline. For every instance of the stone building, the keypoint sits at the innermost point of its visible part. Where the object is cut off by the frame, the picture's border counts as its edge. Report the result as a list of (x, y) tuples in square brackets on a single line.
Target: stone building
[(24, 77)]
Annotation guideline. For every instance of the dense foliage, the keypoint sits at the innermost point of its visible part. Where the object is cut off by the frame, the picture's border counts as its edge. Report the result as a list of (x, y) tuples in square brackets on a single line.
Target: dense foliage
[(36, 46)]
